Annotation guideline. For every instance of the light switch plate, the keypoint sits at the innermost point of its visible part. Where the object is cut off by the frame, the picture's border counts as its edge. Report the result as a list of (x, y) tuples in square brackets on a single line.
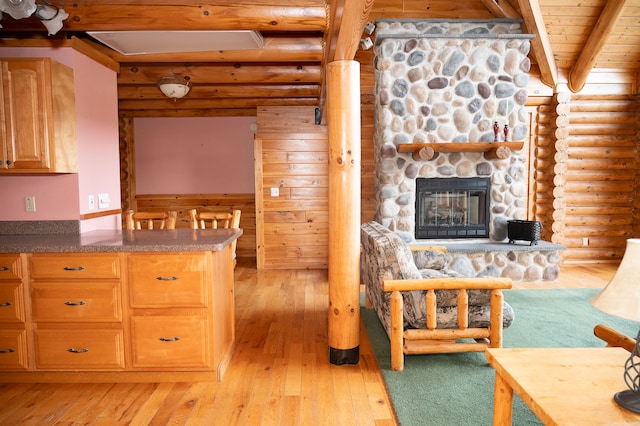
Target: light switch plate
[(103, 201), (275, 192)]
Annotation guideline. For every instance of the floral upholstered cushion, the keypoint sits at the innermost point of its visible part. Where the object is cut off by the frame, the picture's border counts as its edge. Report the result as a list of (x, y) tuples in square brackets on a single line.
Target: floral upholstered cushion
[(385, 257), (429, 259)]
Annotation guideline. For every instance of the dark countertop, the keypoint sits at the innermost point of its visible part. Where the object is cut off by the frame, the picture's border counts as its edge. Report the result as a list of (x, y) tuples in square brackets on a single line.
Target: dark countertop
[(121, 241)]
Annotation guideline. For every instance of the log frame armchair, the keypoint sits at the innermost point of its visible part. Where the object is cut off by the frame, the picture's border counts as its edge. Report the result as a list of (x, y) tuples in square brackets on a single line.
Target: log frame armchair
[(429, 310)]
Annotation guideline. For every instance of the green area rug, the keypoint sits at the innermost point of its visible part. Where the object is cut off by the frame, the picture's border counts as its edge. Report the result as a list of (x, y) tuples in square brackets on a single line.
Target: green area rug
[(457, 389)]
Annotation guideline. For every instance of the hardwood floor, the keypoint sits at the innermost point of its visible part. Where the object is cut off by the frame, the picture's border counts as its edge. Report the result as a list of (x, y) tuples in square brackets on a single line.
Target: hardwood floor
[(279, 373)]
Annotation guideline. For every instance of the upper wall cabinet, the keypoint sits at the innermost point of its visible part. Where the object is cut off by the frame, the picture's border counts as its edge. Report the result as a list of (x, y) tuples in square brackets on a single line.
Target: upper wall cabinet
[(38, 114)]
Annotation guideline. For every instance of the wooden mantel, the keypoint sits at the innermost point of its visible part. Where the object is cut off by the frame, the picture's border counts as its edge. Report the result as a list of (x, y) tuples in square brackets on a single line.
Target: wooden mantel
[(492, 150)]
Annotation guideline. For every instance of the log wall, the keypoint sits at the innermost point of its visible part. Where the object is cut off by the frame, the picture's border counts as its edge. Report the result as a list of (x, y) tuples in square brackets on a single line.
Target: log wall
[(584, 179), (601, 187)]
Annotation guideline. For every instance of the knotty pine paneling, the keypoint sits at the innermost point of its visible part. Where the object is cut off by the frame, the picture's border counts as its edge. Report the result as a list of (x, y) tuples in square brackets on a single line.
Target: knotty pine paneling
[(182, 203), (292, 155)]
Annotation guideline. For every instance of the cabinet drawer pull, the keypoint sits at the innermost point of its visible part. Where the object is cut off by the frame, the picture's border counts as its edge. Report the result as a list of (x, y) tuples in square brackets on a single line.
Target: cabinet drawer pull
[(77, 351), (4, 268), (174, 278), (7, 351), (6, 304), (70, 268), (169, 339), (80, 303)]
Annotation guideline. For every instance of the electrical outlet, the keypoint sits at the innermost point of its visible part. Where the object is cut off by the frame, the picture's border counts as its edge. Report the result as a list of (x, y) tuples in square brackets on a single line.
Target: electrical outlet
[(30, 204), (275, 192), (92, 202), (585, 242)]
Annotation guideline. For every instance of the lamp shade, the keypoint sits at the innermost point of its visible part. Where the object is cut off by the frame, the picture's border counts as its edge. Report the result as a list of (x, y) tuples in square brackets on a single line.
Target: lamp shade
[(621, 297), (174, 87), (18, 9)]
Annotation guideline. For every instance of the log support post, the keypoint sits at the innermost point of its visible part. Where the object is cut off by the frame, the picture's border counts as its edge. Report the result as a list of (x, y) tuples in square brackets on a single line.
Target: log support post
[(343, 108)]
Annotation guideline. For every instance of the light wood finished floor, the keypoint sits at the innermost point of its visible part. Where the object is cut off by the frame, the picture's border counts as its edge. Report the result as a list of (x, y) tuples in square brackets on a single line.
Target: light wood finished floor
[(278, 375)]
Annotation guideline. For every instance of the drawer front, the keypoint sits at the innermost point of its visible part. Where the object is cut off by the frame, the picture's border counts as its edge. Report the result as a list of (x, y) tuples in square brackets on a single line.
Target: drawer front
[(11, 302), (92, 302), (178, 342), (13, 350), (10, 267), (161, 280), (80, 349), (75, 265)]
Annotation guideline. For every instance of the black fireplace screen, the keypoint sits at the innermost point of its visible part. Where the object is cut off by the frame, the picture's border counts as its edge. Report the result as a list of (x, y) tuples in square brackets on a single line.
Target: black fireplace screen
[(452, 207)]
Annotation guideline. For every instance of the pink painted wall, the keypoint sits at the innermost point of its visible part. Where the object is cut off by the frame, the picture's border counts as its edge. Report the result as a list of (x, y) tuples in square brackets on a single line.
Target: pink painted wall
[(198, 155), (65, 197)]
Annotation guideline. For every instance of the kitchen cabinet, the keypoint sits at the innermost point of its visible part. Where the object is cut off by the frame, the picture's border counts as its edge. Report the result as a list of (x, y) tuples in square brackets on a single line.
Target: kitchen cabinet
[(76, 310), (38, 116), (171, 325), (13, 325), (121, 316)]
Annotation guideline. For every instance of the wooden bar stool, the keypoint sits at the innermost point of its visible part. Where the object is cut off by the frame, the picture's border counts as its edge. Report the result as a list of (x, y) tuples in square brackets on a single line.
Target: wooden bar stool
[(150, 220), (204, 219)]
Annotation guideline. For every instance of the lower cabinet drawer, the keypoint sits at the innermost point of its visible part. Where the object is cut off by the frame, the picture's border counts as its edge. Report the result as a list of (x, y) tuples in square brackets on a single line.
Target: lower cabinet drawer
[(89, 302), (11, 302), (79, 349), (179, 342), (13, 350)]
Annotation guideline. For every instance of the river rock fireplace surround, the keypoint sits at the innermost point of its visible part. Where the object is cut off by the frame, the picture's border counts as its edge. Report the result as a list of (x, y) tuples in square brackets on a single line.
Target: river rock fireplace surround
[(442, 85)]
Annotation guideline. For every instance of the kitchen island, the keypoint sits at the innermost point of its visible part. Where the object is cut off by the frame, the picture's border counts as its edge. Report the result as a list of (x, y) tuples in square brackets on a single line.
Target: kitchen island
[(114, 306)]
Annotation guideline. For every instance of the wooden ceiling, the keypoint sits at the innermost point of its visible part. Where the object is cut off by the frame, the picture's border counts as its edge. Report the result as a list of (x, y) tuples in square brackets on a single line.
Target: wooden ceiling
[(573, 37)]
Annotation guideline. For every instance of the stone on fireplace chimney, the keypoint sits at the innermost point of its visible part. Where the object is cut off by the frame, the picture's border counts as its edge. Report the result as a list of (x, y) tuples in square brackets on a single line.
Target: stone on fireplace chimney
[(448, 81)]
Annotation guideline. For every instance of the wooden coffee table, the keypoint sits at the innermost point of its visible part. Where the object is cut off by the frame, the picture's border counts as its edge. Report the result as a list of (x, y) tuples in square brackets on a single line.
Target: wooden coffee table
[(561, 386)]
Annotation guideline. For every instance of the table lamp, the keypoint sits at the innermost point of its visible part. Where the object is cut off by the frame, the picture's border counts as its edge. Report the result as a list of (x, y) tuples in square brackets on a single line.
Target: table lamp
[(621, 298)]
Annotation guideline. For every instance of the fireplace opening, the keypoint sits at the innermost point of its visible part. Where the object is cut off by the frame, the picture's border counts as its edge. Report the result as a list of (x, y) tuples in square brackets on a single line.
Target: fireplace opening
[(452, 208)]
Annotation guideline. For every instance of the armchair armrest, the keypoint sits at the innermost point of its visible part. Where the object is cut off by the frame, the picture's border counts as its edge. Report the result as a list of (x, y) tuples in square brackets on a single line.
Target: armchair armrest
[(415, 340)]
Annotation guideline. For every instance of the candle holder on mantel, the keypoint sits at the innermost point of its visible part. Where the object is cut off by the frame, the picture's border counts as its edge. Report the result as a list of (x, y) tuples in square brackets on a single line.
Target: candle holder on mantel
[(496, 131), (506, 132)]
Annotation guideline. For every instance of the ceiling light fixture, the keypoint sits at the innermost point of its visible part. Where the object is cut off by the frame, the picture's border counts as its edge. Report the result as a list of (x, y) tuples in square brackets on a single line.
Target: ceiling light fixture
[(174, 87), (50, 14)]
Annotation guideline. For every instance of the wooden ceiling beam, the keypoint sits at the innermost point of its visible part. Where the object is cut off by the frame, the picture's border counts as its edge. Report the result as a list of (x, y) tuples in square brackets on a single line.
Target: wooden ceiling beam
[(228, 90), (237, 112), (224, 103), (86, 49), (90, 15), (540, 45), (594, 45), (501, 9), (206, 73)]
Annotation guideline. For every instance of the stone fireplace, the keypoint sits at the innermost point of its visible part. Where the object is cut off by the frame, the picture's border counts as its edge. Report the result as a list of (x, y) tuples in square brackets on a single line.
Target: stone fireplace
[(449, 82), (443, 85)]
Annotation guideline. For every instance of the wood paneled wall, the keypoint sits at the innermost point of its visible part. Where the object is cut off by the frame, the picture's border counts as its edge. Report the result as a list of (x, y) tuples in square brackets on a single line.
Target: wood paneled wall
[(292, 156), (182, 203)]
